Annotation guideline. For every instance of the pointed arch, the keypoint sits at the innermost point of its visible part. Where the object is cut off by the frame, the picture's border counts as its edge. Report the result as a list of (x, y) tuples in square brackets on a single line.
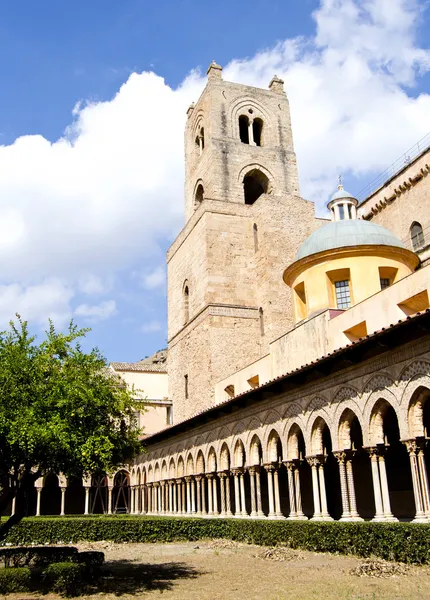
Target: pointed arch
[(211, 462), (296, 447), (200, 462), (224, 461), (255, 452)]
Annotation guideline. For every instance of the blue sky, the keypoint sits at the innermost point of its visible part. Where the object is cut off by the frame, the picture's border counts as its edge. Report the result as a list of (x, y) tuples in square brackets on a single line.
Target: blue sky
[(91, 170)]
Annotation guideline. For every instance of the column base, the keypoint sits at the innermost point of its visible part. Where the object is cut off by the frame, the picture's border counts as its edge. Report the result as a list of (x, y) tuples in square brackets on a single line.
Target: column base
[(385, 519), (421, 519)]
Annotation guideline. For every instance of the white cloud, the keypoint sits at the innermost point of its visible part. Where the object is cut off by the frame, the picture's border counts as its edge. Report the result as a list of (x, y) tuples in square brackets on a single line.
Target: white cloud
[(97, 312), (104, 197), (151, 327), (92, 285), (155, 278), (36, 303)]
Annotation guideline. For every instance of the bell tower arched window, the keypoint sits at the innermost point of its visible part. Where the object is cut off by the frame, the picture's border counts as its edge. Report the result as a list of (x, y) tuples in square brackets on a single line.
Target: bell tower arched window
[(255, 184), (200, 141), (199, 196), (257, 130), (417, 236), (244, 129)]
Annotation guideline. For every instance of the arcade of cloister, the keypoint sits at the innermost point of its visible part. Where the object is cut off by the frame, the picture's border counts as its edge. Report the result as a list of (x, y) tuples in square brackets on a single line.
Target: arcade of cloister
[(362, 454), (353, 450)]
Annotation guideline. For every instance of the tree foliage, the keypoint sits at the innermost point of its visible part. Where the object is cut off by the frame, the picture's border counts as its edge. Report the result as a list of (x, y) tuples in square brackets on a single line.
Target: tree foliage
[(61, 410)]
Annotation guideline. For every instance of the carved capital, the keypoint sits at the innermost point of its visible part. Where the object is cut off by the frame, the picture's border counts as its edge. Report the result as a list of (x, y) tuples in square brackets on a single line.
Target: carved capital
[(270, 467), (341, 456)]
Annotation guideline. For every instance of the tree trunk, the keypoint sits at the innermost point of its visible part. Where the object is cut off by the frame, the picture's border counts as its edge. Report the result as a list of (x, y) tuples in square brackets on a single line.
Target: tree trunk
[(20, 493)]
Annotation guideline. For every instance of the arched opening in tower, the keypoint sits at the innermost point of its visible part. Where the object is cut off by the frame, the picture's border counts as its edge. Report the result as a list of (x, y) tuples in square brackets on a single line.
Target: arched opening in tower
[(244, 129), (257, 130), (255, 184), (199, 194)]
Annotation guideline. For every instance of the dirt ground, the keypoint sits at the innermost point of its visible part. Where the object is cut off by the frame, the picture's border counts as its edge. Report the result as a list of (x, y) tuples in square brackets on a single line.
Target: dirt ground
[(220, 569)]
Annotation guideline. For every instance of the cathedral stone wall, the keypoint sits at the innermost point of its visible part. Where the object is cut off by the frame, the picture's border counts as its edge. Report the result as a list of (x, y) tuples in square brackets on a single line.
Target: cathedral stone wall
[(402, 200)]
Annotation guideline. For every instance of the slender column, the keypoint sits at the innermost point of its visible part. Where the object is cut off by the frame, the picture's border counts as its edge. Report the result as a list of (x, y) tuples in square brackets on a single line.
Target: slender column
[(227, 496), (351, 488), (172, 495), (300, 513), (12, 510), (412, 448), (215, 495), (346, 511), (149, 490), (210, 499), (144, 507), (132, 499), (63, 501), (323, 493), (379, 511), (184, 505), (188, 480), (199, 494), (242, 495), (251, 133), (178, 496), (424, 480), (269, 469), (278, 510), (203, 494), (39, 495), (193, 496), (388, 515), (253, 503), (258, 488), (314, 463), (200, 145), (163, 496), (110, 489), (175, 497), (222, 492), (291, 492), (237, 511), (87, 501)]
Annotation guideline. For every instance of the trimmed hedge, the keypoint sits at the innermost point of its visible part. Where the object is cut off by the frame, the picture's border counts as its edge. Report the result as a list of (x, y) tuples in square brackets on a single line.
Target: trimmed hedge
[(37, 556), (404, 542), (65, 578), (15, 580)]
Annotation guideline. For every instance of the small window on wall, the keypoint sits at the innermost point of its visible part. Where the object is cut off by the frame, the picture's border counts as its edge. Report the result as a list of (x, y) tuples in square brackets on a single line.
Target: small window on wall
[(186, 303), (229, 390), (186, 386), (261, 315), (417, 236), (343, 294), (387, 276), (169, 415), (255, 229)]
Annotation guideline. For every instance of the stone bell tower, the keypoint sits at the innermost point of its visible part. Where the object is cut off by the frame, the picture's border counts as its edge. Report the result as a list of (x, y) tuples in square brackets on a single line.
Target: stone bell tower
[(244, 221)]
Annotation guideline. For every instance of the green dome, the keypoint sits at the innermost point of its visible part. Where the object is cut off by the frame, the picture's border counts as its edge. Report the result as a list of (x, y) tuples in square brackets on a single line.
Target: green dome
[(344, 234)]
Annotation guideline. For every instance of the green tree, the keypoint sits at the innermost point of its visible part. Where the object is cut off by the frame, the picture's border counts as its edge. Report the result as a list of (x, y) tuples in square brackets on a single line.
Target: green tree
[(61, 410)]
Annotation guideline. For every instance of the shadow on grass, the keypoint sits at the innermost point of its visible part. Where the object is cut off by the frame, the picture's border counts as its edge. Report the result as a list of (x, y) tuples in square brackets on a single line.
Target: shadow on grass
[(126, 577)]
